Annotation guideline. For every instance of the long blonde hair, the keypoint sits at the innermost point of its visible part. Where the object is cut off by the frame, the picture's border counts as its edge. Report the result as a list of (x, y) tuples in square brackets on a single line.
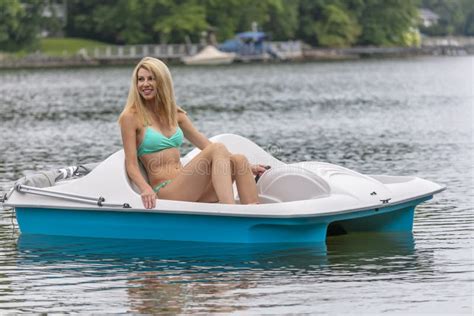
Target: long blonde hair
[(165, 106)]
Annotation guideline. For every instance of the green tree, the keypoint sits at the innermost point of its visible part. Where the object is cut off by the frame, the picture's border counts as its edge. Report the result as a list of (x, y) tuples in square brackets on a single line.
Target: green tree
[(385, 22), (283, 18), (219, 16), (333, 23), (279, 17), (222, 16), (328, 23), (20, 24), (336, 28), (124, 22), (136, 21), (184, 18), (80, 21), (454, 17), (469, 24)]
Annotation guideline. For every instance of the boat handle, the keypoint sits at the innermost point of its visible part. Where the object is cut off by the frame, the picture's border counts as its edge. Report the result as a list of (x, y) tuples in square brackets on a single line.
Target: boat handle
[(5, 196), (100, 201)]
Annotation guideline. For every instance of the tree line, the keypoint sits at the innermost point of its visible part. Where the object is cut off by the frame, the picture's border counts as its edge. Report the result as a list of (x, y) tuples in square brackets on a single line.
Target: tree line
[(327, 23)]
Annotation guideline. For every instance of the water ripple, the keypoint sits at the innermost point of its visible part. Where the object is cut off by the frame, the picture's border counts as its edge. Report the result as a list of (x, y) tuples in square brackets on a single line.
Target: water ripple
[(402, 117)]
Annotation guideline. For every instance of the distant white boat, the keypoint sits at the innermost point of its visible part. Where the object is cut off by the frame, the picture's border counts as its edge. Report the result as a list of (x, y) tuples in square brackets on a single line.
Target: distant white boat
[(209, 56)]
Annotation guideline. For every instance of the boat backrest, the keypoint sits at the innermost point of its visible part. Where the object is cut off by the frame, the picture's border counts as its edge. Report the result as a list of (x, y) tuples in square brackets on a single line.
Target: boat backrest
[(290, 183), (239, 145)]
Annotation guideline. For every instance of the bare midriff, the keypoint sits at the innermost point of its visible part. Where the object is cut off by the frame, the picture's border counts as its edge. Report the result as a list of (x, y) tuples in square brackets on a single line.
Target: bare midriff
[(163, 165)]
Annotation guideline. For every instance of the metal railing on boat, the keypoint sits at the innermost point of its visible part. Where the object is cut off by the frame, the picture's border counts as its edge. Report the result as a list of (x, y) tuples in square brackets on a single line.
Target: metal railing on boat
[(99, 201)]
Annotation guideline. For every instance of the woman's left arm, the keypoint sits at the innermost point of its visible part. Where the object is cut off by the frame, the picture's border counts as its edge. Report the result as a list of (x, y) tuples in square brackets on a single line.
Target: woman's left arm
[(192, 133)]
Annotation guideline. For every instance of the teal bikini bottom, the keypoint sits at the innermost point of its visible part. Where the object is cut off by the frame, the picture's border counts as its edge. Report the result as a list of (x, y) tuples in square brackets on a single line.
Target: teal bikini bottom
[(161, 185)]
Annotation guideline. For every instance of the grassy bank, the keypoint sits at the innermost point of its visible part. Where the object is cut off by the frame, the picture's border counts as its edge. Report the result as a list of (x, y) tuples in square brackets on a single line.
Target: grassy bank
[(65, 47)]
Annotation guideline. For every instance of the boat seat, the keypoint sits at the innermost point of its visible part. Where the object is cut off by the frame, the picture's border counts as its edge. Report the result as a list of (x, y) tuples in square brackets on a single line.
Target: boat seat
[(281, 183), (289, 183), (144, 174)]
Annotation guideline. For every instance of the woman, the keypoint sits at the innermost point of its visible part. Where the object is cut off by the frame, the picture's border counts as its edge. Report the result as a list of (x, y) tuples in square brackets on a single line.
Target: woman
[(153, 127)]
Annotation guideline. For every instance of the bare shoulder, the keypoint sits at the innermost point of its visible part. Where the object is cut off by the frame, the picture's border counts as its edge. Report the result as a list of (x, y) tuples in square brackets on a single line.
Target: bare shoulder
[(129, 119), (182, 116)]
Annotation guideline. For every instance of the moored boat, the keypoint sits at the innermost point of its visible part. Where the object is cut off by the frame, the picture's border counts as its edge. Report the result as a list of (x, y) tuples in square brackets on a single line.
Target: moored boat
[(209, 56)]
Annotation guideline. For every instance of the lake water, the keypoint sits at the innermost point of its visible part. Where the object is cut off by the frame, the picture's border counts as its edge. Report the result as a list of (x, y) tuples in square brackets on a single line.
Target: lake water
[(400, 117)]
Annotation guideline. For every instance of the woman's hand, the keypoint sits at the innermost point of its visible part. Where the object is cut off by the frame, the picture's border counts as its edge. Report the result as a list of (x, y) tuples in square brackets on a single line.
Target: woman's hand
[(258, 170), (148, 198)]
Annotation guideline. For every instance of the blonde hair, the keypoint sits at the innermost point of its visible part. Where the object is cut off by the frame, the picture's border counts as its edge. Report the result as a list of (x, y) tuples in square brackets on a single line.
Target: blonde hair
[(165, 105)]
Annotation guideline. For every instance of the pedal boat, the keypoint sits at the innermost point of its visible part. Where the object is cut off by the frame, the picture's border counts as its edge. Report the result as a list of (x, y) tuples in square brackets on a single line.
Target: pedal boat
[(299, 203)]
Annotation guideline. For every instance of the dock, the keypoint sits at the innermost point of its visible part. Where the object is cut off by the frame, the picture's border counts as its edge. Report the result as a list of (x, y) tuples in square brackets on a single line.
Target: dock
[(289, 50), (274, 51), (435, 46)]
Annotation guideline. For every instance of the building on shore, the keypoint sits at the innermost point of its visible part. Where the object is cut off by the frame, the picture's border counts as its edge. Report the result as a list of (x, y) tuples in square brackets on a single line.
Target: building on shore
[(427, 17)]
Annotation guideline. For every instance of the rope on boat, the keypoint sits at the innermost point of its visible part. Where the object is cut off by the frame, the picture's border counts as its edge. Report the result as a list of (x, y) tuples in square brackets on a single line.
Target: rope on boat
[(100, 201)]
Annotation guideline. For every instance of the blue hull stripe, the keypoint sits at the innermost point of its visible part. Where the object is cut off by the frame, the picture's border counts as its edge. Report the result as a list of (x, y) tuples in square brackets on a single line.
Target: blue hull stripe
[(210, 228)]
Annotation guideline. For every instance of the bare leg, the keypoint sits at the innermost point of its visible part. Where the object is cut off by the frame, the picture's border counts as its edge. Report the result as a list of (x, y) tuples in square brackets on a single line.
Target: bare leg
[(209, 195), (244, 179), (213, 166), (245, 183), (222, 175)]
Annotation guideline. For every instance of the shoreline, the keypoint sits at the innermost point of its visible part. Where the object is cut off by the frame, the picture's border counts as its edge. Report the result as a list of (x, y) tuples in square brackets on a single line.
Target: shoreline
[(38, 61)]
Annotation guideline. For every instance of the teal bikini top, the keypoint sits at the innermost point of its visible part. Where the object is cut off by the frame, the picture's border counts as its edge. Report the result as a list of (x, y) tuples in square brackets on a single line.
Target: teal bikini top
[(154, 141)]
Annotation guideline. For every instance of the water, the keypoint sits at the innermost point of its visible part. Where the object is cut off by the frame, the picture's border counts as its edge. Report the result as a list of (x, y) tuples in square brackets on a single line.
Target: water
[(401, 117)]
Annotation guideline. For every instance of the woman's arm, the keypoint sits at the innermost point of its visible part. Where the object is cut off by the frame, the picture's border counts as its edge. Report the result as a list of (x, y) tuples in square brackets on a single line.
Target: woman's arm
[(128, 126), (190, 132)]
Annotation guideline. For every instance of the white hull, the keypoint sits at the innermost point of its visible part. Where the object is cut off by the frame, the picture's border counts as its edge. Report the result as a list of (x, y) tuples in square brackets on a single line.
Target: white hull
[(312, 192)]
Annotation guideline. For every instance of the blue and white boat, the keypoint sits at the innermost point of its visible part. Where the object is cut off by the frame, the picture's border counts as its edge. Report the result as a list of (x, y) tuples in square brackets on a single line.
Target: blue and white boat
[(299, 203)]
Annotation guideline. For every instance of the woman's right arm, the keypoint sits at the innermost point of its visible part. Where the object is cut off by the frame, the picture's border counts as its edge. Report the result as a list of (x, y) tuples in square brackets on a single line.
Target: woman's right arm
[(128, 127)]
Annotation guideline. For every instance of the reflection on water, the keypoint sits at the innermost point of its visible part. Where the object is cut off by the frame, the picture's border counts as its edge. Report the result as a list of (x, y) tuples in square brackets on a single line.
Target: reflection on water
[(401, 117), (160, 276), (380, 256), (59, 248), (183, 277)]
